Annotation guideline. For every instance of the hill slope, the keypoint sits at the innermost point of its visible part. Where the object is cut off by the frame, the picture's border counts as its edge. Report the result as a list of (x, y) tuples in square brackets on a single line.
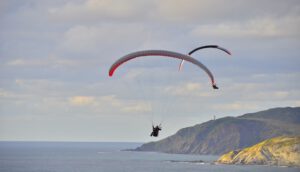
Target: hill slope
[(230, 133), (276, 151)]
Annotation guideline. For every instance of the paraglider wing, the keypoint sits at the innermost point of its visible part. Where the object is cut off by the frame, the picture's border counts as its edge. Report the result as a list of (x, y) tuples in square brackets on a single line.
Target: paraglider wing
[(163, 53), (210, 46), (203, 47)]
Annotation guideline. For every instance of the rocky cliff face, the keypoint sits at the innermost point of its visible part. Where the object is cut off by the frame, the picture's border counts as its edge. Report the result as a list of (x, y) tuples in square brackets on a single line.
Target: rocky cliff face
[(230, 133), (283, 151)]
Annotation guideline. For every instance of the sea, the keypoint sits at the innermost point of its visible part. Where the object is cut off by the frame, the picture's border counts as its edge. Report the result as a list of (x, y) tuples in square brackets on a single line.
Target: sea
[(108, 157)]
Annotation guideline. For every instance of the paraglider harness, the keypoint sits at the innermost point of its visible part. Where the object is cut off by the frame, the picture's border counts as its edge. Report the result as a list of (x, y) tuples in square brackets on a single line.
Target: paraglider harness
[(155, 130)]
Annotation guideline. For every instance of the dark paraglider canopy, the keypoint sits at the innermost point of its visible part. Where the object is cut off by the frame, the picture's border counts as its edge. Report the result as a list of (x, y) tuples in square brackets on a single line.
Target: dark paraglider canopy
[(210, 46), (204, 47)]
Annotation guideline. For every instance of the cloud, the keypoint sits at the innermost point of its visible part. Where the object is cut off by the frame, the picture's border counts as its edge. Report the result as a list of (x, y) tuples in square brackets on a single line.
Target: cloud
[(99, 10), (103, 39), (209, 12), (257, 28), (137, 107), (81, 100), (4, 93), (188, 10), (168, 11), (235, 106), (265, 87), (127, 106), (272, 95), (110, 104), (296, 103), (44, 88), (50, 61), (112, 100), (188, 89)]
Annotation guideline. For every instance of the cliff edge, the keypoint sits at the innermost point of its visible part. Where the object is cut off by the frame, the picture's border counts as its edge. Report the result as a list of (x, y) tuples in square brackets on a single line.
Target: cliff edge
[(281, 151)]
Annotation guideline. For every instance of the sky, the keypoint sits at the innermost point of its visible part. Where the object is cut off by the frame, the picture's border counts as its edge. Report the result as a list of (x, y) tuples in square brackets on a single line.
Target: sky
[(55, 56)]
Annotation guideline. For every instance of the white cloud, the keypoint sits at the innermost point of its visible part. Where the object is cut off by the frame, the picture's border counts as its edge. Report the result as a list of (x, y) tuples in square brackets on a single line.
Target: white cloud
[(82, 38), (193, 86), (127, 106), (296, 103), (38, 89), (235, 106), (21, 62), (82, 100), (265, 87), (271, 95), (110, 104), (112, 100), (257, 28), (103, 38), (99, 10), (6, 94), (181, 11), (38, 84), (188, 89), (217, 11), (137, 107), (50, 61), (188, 10)]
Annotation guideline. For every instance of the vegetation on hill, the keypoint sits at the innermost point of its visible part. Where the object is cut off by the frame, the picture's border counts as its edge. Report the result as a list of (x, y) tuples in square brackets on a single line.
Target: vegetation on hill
[(283, 151), (230, 133)]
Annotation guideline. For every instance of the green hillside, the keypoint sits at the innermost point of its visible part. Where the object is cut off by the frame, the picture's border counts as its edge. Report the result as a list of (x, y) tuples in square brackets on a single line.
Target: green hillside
[(230, 133)]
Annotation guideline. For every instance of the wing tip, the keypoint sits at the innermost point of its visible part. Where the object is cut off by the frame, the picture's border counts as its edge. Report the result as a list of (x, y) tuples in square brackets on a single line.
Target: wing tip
[(215, 86), (110, 73)]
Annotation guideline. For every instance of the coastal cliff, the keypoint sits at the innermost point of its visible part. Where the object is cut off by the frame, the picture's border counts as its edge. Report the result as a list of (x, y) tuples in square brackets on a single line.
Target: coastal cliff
[(230, 133), (282, 151)]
